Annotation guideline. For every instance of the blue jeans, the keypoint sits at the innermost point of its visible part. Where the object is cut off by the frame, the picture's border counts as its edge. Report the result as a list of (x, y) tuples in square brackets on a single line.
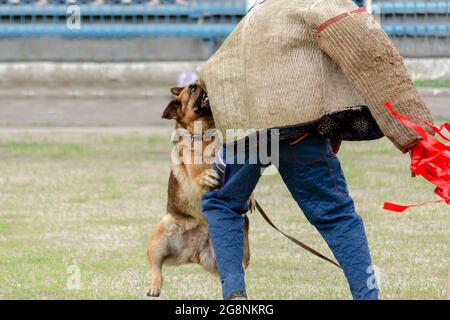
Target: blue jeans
[(315, 179)]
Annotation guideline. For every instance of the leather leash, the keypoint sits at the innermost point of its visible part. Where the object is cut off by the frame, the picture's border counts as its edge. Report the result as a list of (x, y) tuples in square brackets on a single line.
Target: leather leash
[(297, 242)]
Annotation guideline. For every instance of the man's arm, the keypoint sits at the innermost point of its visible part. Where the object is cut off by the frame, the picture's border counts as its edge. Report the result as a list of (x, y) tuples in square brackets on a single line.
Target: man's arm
[(358, 44)]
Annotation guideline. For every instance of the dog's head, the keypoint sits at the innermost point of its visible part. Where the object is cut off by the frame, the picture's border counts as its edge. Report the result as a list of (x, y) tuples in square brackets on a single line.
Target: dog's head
[(190, 104)]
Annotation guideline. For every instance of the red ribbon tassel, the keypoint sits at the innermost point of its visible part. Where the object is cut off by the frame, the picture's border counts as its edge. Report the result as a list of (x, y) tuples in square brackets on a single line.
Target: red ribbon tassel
[(430, 159)]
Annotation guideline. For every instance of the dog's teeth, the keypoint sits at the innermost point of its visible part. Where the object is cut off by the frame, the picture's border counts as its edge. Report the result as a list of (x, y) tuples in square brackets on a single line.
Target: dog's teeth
[(205, 102)]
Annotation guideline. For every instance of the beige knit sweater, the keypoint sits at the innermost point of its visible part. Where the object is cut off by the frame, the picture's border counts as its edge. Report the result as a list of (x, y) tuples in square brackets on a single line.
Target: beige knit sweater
[(276, 69)]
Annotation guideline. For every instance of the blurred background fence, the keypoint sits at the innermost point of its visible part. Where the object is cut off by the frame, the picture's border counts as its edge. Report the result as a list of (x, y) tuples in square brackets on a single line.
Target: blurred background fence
[(177, 30)]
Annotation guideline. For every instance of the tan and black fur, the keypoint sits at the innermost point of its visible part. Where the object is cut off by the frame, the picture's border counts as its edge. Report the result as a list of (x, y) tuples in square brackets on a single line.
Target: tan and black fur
[(181, 236)]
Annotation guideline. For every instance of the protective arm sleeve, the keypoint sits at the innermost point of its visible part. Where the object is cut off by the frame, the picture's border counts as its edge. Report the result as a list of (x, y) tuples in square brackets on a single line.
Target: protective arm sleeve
[(359, 46)]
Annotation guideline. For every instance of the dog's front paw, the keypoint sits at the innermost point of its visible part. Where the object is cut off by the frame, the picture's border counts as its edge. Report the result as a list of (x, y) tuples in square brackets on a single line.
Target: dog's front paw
[(209, 179), (154, 292)]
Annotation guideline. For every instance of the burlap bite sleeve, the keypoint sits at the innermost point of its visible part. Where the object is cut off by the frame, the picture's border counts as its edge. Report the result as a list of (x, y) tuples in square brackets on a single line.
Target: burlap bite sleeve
[(358, 44)]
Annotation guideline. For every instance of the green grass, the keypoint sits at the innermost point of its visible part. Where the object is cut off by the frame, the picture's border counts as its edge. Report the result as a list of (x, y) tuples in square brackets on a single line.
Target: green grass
[(91, 199), (433, 83)]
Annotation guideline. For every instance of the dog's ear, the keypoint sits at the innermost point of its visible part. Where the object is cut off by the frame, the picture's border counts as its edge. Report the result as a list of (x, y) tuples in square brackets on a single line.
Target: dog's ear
[(171, 110), (176, 90)]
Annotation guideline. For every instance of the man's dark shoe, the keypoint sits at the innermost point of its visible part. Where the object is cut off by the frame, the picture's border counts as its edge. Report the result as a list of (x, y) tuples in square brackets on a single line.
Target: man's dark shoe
[(238, 295)]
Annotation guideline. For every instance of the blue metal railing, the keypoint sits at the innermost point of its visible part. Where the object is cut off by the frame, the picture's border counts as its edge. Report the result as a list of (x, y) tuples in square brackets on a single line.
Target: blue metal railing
[(402, 7), (419, 28), (118, 31), (236, 9)]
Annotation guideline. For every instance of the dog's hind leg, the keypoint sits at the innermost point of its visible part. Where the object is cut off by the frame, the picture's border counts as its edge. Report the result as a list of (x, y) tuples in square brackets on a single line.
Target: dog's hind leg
[(246, 260), (155, 253)]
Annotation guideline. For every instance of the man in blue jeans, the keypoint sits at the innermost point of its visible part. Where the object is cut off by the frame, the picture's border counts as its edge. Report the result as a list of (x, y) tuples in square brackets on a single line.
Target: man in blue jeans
[(320, 67), (314, 177)]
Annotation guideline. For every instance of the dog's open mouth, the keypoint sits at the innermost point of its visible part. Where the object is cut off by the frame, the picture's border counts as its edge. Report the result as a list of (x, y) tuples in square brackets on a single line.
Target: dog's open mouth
[(203, 102)]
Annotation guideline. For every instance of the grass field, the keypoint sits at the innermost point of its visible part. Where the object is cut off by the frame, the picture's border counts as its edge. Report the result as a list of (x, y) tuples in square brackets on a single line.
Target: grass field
[(433, 84), (87, 200)]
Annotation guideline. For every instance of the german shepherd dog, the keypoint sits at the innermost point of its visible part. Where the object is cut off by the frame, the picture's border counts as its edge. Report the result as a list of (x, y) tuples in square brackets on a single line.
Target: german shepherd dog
[(181, 236)]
